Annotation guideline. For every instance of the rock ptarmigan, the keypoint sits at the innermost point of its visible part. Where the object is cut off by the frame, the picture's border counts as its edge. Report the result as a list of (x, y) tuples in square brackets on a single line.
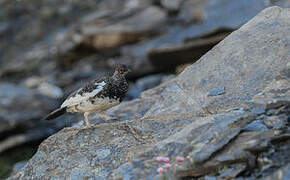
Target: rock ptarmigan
[(96, 97)]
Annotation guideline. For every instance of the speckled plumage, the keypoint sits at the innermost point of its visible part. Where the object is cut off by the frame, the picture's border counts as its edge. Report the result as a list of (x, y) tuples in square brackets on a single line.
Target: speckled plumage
[(96, 96)]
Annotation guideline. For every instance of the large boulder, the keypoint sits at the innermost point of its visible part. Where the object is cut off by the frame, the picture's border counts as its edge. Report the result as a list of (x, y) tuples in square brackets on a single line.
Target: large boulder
[(21, 106), (200, 25), (201, 115), (21, 115), (129, 30)]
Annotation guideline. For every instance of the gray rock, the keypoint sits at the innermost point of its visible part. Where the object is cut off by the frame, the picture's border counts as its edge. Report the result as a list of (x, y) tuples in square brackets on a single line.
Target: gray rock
[(18, 166), (146, 83), (196, 142), (232, 172), (150, 81), (50, 90), (258, 110), (178, 119), (276, 122), (209, 178), (187, 93), (53, 29), (187, 44), (217, 91), (192, 11), (256, 125), (37, 28), (21, 106), (32, 82), (128, 30), (281, 174), (277, 92), (171, 4)]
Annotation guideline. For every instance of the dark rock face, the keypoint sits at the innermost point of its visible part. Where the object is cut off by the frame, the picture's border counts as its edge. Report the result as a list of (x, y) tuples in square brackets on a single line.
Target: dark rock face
[(178, 118)]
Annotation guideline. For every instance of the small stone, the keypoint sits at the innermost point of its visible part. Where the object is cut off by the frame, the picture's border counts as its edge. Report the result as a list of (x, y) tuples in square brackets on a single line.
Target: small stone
[(33, 82), (282, 173), (225, 158), (150, 81), (50, 90), (217, 91), (19, 165), (258, 110), (145, 83), (276, 103), (210, 178), (3, 27), (270, 112), (171, 4), (256, 125), (232, 171), (276, 122)]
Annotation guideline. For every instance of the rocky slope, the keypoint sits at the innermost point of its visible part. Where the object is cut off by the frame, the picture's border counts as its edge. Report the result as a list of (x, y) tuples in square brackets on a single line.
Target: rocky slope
[(49, 49), (227, 114)]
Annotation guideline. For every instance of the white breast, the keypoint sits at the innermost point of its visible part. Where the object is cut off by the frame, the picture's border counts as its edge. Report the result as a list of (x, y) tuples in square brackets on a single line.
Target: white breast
[(99, 105)]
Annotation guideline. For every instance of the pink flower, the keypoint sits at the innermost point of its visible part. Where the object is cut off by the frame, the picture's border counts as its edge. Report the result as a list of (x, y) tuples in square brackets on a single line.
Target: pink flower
[(167, 166), (179, 159), (160, 170), (166, 159), (159, 159)]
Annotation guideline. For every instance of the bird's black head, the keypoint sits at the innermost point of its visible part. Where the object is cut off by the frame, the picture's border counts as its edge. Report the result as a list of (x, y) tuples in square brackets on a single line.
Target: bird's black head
[(122, 69)]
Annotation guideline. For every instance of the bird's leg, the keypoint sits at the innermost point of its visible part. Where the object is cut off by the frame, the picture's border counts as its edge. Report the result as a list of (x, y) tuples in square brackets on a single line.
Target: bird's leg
[(87, 122), (106, 117)]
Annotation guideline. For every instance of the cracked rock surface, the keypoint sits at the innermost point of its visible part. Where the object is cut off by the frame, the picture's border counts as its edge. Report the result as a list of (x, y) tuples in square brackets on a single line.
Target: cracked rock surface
[(178, 118)]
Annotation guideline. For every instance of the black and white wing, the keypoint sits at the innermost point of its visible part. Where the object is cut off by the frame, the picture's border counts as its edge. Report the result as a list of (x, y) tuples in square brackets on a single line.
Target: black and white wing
[(85, 93)]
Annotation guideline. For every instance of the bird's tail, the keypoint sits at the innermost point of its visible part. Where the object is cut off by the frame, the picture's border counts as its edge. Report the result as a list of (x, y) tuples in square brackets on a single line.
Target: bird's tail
[(54, 114)]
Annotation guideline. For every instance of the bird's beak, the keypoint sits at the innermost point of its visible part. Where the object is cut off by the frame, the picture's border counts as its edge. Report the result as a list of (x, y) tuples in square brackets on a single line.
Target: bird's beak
[(129, 70)]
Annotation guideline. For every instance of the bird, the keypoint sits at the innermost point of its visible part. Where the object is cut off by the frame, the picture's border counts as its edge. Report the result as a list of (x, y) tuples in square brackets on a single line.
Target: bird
[(96, 96)]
